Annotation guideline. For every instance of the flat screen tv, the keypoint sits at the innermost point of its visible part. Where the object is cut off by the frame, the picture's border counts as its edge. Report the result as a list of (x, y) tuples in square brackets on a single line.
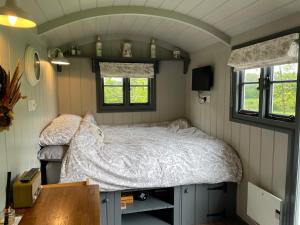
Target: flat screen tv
[(202, 78)]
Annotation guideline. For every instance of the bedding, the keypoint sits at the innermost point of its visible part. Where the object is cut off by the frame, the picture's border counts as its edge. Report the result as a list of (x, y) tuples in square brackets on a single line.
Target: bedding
[(53, 153), (60, 131), (132, 157), (89, 118)]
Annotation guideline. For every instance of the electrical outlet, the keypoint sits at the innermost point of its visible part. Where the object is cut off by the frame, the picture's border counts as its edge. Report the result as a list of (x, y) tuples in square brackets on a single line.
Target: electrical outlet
[(31, 105), (204, 99)]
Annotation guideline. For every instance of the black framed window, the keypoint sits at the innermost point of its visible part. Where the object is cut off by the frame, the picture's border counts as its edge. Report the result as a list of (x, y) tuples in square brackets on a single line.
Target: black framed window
[(268, 93), (117, 94)]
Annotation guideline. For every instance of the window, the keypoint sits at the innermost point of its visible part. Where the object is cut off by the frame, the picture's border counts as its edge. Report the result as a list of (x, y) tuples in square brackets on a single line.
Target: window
[(282, 91), (113, 90), (125, 94), (268, 93), (139, 90), (249, 85)]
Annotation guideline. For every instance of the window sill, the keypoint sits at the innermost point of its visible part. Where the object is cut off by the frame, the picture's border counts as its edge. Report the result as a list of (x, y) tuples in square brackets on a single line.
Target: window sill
[(262, 122)]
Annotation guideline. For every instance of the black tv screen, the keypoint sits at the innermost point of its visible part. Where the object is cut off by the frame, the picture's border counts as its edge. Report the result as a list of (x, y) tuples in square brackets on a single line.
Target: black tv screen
[(202, 78)]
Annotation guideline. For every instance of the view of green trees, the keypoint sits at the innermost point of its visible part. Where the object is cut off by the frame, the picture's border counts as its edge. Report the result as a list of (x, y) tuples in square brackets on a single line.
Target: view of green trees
[(139, 90), (283, 93), (113, 90)]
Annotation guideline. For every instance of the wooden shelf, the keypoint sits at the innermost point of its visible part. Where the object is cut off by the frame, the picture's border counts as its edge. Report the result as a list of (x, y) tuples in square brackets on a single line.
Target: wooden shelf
[(142, 219), (185, 60), (150, 204)]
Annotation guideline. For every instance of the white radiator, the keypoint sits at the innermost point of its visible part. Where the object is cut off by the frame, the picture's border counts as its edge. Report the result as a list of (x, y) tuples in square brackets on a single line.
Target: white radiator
[(263, 207)]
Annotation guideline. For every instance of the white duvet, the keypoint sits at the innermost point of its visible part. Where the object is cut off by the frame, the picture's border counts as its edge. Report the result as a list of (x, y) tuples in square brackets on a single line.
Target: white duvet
[(145, 157)]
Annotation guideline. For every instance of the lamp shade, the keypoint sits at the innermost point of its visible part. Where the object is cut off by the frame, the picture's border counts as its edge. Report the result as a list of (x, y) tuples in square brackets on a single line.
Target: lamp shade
[(13, 16)]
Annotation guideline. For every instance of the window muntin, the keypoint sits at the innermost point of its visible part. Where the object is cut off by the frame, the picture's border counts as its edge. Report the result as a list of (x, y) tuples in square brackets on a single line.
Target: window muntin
[(139, 90), (113, 88), (283, 86), (249, 90)]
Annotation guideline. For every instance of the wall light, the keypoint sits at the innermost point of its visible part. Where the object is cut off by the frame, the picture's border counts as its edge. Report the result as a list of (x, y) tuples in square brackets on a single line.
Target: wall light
[(13, 16), (57, 57)]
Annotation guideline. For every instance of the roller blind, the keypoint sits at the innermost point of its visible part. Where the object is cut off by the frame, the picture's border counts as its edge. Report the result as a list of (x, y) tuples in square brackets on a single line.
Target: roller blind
[(282, 50), (127, 70)]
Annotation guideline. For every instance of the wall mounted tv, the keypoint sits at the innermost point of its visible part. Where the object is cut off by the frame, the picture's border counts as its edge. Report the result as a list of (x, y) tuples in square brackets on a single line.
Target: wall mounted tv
[(202, 78)]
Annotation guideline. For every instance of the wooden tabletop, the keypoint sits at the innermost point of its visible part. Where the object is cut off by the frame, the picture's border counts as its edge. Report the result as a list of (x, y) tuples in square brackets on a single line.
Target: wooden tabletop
[(65, 206)]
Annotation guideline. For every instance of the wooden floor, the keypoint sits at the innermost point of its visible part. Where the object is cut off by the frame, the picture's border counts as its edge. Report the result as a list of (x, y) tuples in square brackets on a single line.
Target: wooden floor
[(225, 222)]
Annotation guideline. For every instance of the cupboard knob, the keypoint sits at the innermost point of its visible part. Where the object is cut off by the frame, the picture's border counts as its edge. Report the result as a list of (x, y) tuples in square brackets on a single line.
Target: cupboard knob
[(186, 190)]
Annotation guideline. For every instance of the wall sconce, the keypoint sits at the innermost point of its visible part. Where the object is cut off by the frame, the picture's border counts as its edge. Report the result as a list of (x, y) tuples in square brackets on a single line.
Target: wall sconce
[(57, 57)]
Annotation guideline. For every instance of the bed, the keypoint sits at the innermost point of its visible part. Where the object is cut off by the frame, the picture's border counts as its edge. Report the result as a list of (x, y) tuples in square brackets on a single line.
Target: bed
[(131, 157), (145, 156)]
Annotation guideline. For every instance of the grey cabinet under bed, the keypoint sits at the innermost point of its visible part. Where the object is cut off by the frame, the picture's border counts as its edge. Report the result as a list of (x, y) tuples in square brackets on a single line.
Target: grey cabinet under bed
[(185, 205), (188, 205)]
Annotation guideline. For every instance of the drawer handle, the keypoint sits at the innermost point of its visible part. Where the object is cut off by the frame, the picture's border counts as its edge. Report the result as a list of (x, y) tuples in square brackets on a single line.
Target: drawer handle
[(106, 200), (186, 190)]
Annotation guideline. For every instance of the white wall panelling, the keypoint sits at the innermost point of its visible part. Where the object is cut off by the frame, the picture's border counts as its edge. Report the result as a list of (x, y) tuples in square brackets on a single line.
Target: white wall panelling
[(19, 145), (77, 94), (263, 152)]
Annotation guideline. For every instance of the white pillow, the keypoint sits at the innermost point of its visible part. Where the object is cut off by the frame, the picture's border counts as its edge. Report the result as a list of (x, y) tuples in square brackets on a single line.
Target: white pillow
[(179, 124), (60, 131), (88, 117)]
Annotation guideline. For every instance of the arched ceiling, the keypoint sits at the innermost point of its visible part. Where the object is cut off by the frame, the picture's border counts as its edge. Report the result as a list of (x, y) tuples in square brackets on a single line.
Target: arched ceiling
[(189, 24)]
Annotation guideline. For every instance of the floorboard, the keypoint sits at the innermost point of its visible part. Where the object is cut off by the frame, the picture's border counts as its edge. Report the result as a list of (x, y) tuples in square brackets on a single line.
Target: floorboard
[(225, 222)]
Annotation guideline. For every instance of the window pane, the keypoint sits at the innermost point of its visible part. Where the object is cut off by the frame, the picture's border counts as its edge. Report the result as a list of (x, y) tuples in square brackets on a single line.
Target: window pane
[(252, 75), (285, 72), (113, 95), (138, 81), (113, 81), (250, 97), (139, 95), (284, 98)]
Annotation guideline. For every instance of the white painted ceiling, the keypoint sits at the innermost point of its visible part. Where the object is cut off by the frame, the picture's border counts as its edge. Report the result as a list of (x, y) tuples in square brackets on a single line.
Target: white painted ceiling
[(229, 16)]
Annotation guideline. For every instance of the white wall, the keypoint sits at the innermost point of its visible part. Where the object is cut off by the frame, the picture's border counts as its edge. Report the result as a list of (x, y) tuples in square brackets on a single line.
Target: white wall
[(263, 152), (19, 145), (77, 94)]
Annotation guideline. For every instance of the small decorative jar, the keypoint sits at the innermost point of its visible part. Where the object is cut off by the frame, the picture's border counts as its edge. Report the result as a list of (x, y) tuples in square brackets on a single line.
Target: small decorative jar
[(126, 49)]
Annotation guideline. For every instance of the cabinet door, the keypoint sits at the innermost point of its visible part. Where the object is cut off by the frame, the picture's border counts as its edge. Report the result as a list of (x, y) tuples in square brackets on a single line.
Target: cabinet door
[(216, 202), (103, 209), (201, 209), (113, 208), (188, 205)]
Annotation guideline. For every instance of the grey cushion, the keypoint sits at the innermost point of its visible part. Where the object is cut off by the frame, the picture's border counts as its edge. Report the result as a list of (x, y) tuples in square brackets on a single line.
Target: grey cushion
[(53, 153)]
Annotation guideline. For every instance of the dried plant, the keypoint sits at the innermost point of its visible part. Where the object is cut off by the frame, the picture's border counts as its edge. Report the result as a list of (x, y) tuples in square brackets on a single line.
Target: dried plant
[(9, 95)]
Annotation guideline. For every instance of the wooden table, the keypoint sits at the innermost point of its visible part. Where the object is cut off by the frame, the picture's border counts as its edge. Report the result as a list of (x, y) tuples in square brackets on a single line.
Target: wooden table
[(65, 206)]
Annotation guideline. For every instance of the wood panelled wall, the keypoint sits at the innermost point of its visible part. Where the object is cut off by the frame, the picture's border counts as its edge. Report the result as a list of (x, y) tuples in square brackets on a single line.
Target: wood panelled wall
[(77, 94), (263, 152), (19, 145)]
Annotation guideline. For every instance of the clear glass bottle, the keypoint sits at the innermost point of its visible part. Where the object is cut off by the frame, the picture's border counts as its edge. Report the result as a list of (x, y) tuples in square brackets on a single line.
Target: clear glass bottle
[(98, 47), (153, 49), (73, 50)]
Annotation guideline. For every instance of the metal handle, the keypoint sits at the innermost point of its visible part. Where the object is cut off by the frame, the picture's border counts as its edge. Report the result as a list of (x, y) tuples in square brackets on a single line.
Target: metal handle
[(106, 200), (186, 190)]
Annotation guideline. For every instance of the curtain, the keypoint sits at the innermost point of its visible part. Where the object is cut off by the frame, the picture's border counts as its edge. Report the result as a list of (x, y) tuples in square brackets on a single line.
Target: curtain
[(127, 70), (282, 50)]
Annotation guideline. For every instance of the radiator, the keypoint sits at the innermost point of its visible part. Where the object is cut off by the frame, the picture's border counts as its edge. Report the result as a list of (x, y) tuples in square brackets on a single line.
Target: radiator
[(263, 207)]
